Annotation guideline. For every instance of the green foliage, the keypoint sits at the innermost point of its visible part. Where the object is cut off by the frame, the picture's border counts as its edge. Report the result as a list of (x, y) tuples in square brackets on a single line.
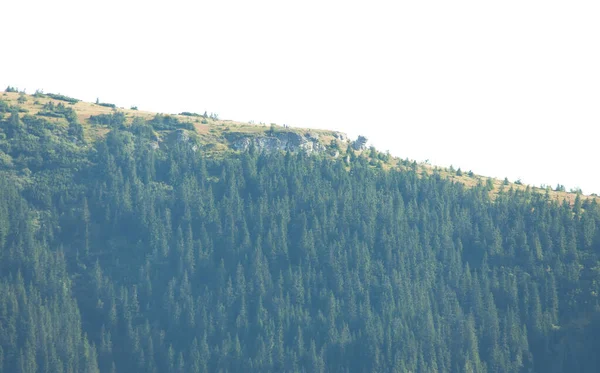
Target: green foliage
[(60, 97), (115, 120), (50, 114), (112, 106), (142, 129), (168, 122), (360, 143), (127, 257), (4, 107), (75, 128), (49, 109)]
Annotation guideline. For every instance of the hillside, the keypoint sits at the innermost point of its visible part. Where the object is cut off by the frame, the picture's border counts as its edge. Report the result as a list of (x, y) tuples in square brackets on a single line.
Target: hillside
[(141, 242), (218, 137), (213, 134)]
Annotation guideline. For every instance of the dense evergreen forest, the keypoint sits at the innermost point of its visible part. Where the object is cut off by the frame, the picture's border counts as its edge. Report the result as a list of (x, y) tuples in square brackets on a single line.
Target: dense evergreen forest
[(122, 256)]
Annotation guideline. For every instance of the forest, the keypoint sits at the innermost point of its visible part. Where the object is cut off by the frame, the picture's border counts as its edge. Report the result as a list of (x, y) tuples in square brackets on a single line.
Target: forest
[(118, 255)]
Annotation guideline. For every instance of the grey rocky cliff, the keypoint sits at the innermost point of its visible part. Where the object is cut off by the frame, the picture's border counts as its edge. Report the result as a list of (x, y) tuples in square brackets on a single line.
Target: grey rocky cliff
[(277, 141)]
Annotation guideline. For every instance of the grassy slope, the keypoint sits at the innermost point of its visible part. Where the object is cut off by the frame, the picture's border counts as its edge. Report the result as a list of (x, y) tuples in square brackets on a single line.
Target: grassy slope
[(211, 134)]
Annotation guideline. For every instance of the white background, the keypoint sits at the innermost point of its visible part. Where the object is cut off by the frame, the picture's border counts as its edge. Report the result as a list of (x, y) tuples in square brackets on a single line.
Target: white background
[(503, 88)]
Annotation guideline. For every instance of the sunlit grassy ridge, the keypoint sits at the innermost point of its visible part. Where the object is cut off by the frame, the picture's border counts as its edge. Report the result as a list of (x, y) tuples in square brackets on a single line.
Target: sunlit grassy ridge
[(213, 134)]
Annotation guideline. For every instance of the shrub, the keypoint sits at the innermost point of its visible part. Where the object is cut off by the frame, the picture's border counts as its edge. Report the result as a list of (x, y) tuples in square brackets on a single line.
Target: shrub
[(373, 152), (168, 122), (76, 130), (50, 114), (62, 98), (113, 120), (56, 111), (360, 143), (141, 128), (4, 107)]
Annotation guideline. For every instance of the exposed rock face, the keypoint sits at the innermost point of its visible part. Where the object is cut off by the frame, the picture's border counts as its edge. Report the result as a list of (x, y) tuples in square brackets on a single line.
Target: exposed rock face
[(182, 136), (179, 136), (277, 141)]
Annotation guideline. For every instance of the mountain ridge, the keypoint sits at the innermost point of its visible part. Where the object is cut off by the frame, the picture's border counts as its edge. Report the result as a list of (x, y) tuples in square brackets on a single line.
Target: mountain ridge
[(132, 244), (218, 136)]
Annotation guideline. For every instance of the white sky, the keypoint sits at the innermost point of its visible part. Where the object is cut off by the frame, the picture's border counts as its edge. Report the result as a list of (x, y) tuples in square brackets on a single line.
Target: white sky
[(504, 88)]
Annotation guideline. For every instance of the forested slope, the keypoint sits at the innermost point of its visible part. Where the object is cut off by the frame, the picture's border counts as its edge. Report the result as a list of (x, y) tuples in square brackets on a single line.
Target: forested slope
[(117, 255)]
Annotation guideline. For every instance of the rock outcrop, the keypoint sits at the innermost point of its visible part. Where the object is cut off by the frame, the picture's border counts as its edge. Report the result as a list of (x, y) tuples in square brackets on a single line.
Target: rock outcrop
[(180, 136), (276, 141)]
